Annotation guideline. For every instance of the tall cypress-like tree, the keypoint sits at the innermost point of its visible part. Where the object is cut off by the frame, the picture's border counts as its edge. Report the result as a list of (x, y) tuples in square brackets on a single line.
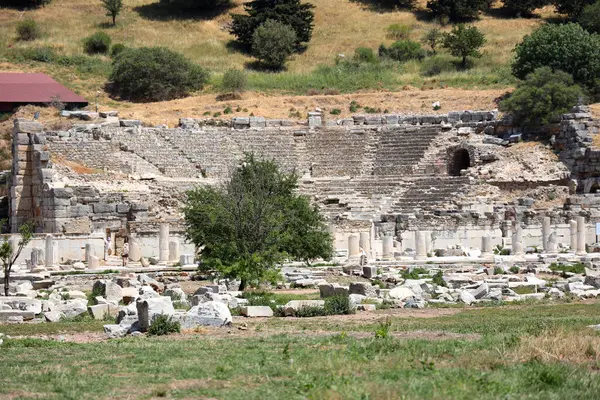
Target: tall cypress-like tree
[(299, 16)]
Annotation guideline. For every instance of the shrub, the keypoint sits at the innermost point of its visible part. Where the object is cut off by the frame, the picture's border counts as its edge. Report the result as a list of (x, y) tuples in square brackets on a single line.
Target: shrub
[(272, 44), (310, 311), (577, 268), (498, 270), (365, 54), (234, 80), (299, 16), (338, 305), (438, 279), (398, 32), (432, 66), (590, 18), (464, 42), (98, 43), (573, 8), (41, 54), (117, 49), (514, 269), (163, 325), (154, 74), (335, 111), (524, 8), (542, 98), (457, 10), (383, 329), (28, 30), (567, 47), (413, 273), (402, 50)]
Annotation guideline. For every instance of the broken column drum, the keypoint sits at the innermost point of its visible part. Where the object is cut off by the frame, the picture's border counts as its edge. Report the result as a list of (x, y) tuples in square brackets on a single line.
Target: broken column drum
[(388, 248), (581, 236), (174, 250), (420, 245), (365, 243), (49, 259), (573, 235), (486, 246), (353, 247), (517, 240)]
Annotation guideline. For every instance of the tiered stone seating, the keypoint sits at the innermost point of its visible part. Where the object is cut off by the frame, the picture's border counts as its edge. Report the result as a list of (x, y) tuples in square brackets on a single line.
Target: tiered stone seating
[(336, 152), (157, 149), (429, 192), (400, 150)]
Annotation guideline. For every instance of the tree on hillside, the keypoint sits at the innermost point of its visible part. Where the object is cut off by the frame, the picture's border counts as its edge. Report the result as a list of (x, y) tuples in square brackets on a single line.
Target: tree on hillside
[(524, 8), (299, 16), (590, 18), (567, 48), (572, 8), (464, 42), (432, 38), (254, 222), (457, 10), (25, 3), (154, 74), (542, 97), (273, 43), (9, 255), (198, 4), (113, 8)]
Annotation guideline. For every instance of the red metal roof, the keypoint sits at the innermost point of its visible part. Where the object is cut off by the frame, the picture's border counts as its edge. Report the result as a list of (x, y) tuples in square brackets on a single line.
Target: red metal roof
[(34, 88)]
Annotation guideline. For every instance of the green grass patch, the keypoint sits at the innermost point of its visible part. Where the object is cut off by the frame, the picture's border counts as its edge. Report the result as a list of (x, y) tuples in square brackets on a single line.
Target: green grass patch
[(577, 268)]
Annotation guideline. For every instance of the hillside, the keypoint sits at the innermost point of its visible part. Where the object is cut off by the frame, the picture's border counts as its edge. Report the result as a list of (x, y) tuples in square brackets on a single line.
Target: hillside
[(340, 27)]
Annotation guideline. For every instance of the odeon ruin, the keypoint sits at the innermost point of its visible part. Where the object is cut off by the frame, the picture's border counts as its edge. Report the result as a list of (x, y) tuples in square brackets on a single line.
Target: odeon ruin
[(401, 187)]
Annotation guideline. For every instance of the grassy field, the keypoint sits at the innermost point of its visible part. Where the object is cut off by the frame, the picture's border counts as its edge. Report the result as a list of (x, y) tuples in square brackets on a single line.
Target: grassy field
[(532, 351), (340, 27)]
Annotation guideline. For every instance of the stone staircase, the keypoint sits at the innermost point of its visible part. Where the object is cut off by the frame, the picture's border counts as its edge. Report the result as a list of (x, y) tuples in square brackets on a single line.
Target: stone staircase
[(400, 150), (429, 193)]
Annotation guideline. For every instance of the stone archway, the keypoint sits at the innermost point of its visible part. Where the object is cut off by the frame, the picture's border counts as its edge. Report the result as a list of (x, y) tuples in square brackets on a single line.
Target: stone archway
[(460, 160)]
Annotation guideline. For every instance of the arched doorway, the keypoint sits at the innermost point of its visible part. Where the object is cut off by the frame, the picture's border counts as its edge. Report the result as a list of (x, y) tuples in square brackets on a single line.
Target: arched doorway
[(460, 160)]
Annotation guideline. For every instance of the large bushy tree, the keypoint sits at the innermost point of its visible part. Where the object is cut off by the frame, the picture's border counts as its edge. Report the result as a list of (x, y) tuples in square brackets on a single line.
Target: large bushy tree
[(567, 48), (590, 18), (457, 10), (248, 227), (542, 97), (154, 74), (572, 8), (272, 43), (9, 254), (464, 42), (198, 4), (299, 16), (524, 8)]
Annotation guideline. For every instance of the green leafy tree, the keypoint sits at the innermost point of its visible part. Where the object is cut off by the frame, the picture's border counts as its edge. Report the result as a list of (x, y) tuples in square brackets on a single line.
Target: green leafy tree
[(113, 8), (572, 8), (568, 48), (273, 43), (154, 74), (9, 255), (524, 8), (198, 4), (432, 38), (457, 10), (299, 16), (590, 18), (542, 97), (254, 222), (464, 42)]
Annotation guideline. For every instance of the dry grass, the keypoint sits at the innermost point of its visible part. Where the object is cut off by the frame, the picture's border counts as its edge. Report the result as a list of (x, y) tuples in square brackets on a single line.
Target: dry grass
[(560, 345)]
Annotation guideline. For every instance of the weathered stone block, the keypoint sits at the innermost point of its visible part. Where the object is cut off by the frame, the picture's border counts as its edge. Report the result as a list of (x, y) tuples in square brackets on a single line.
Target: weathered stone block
[(25, 126), (103, 208), (256, 311)]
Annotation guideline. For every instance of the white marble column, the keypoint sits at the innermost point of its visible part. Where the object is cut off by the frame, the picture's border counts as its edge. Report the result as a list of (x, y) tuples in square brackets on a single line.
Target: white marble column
[(365, 243), (135, 253), (552, 245), (163, 243), (353, 248), (581, 236), (174, 250), (517, 240), (420, 245), (388, 248), (89, 252), (545, 232), (486, 246), (573, 235), (49, 256)]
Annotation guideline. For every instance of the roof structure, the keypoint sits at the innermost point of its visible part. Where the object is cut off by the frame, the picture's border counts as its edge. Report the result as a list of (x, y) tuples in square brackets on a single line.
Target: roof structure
[(34, 88)]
